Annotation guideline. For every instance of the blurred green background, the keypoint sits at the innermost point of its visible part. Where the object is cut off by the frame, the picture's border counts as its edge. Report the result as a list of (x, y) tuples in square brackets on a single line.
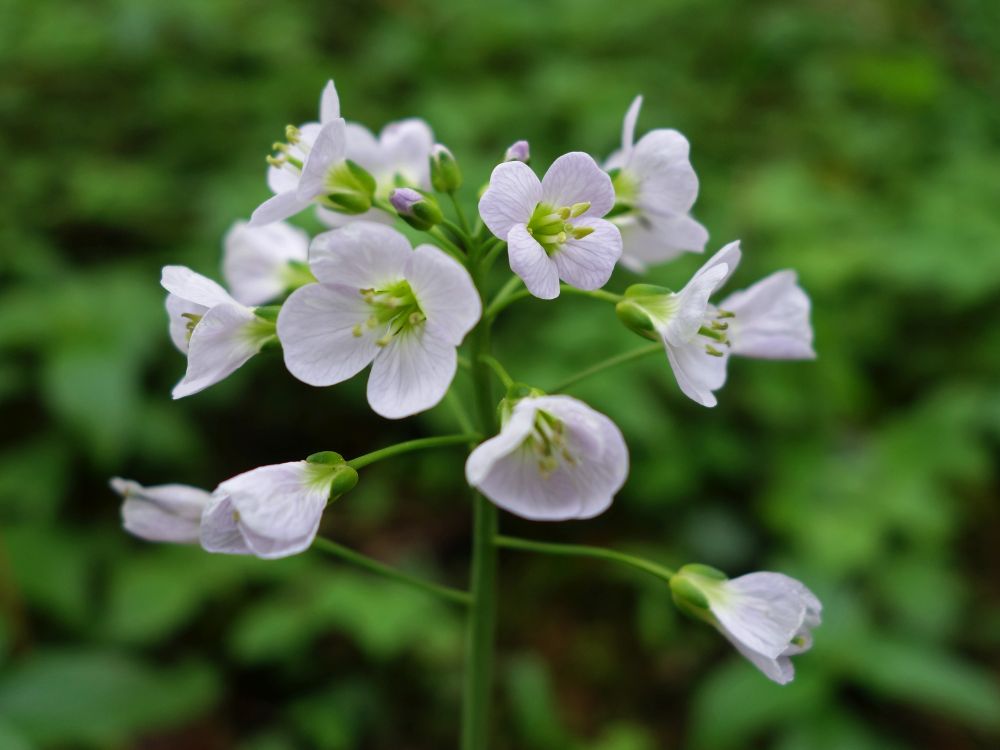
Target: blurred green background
[(857, 141)]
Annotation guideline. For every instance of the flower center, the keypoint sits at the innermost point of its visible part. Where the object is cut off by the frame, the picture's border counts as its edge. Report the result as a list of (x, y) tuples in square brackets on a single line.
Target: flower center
[(552, 226), (716, 329), (547, 442), (394, 307), (193, 319)]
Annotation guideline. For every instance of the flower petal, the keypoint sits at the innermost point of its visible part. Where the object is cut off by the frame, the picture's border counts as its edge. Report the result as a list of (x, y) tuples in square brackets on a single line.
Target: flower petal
[(219, 531), (772, 319), (177, 308), (576, 178), (281, 502), (193, 287), (361, 255), (486, 455), (628, 125), (411, 374), (268, 548), (692, 307), (329, 104), (698, 373), (163, 513), (729, 256), (513, 193), (588, 263), (406, 147), (220, 345), (329, 148), (667, 183), (529, 261), (336, 219), (445, 293), (649, 240), (317, 328), (763, 611), (282, 179), (255, 259), (779, 669), (277, 208)]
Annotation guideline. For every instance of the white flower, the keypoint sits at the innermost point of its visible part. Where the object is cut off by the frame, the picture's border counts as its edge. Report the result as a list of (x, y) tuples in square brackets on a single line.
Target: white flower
[(769, 320), (768, 617), (655, 187), (165, 513), (555, 458), (272, 511), (217, 333), (379, 301), (312, 167), (260, 263), (553, 227)]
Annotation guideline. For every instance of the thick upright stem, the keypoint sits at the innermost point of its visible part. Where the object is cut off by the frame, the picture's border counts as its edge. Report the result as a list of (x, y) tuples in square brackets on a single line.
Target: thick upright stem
[(482, 612)]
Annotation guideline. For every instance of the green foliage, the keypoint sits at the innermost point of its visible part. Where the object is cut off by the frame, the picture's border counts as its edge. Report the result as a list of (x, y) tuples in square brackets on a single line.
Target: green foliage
[(853, 141)]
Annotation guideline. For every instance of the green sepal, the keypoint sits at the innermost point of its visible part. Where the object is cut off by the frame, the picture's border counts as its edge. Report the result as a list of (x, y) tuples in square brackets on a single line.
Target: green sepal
[(686, 593), (705, 571), (350, 202), (635, 318), (365, 181), (646, 290), (325, 457), (268, 312)]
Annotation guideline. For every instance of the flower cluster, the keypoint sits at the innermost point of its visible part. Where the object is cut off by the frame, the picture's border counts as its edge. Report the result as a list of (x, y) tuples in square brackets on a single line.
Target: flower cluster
[(362, 293)]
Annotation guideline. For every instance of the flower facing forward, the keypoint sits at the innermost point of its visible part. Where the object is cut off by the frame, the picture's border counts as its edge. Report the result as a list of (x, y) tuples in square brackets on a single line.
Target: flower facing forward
[(164, 513), (770, 320), (379, 302), (655, 187), (768, 617), (553, 226), (217, 333), (398, 157), (259, 264), (312, 167), (274, 511), (555, 458)]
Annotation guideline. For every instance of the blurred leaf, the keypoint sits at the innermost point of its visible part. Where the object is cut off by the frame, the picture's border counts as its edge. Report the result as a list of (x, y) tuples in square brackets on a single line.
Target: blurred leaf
[(534, 710)]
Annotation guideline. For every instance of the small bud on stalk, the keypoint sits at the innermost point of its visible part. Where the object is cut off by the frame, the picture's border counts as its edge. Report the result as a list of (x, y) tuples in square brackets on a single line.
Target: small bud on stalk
[(419, 211), (445, 174), (518, 151)]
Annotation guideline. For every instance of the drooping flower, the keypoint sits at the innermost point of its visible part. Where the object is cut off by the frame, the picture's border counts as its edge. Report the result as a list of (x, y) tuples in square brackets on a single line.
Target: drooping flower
[(261, 263), (768, 617), (553, 227), (274, 511), (655, 187), (398, 157), (312, 166), (770, 320), (554, 459), (217, 333), (164, 513), (379, 302)]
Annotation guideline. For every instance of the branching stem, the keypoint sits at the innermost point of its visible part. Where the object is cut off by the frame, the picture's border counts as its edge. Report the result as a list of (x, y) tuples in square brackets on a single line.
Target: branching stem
[(580, 550)]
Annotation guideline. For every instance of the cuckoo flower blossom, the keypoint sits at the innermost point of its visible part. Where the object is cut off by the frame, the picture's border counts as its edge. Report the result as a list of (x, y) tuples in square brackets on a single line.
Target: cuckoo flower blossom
[(165, 513), (769, 320), (379, 302), (655, 187), (555, 458), (553, 227), (217, 333), (261, 263), (273, 511), (768, 617), (312, 166)]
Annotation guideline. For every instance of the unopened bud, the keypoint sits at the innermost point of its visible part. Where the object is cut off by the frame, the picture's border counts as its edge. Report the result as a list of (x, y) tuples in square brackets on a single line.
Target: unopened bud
[(518, 152), (418, 210), (445, 175)]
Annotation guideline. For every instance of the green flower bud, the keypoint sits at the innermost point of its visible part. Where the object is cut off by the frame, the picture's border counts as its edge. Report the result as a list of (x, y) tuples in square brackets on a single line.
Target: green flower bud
[(445, 174), (418, 210)]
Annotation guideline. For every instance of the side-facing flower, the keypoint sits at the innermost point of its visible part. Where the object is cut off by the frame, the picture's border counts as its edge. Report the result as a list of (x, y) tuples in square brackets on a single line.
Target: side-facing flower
[(217, 333), (379, 302), (312, 166), (164, 513), (259, 264), (553, 226), (769, 320), (398, 157), (655, 187), (768, 617), (274, 511), (554, 459)]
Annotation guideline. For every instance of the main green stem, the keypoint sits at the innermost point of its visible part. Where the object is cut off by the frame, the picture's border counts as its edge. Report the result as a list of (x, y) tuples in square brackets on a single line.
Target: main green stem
[(482, 612)]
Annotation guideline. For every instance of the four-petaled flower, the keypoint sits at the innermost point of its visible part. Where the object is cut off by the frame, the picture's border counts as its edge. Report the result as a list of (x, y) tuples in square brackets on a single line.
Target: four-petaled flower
[(555, 458), (768, 617), (553, 227), (260, 264), (164, 513), (217, 333), (655, 187), (380, 301), (770, 320)]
